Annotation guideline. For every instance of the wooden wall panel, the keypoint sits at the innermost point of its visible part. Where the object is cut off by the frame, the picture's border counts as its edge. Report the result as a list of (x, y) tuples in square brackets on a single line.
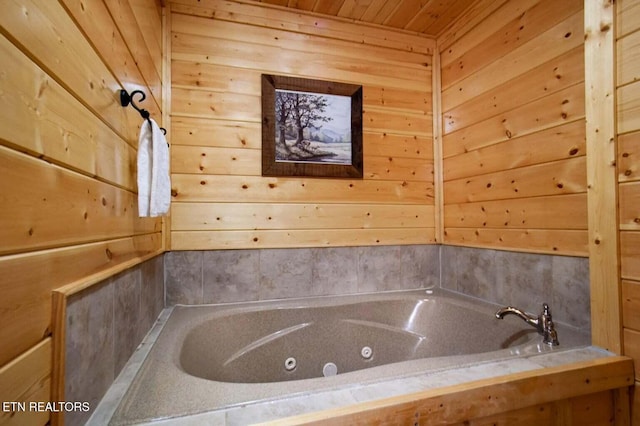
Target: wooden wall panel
[(27, 281), (551, 111), (627, 17), (628, 70), (551, 144), (212, 133), (224, 216), (513, 117), (550, 77), (329, 66), (246, 162), (604, 270), (82, 72), (629, 157), (221, 200), (129, 25), (148, 20), (629, 254), (628, 107), (559, 177), (63, 207), (293, 41), (305, 24), (628, 63), (61, 129), (202, 132), (27, 379), (126, 53), (228, 189), (206, 240), (627, 26), (567, 242), (629, 199), (534, 213), (548, 45), (631, 304), (632, 347), (67, 167), (539, 18), (465, 33)]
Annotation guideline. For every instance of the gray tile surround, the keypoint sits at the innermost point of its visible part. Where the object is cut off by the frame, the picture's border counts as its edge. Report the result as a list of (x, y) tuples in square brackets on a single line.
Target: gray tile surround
[(246, 275), (105, 324), (89, 360), (524, 280)]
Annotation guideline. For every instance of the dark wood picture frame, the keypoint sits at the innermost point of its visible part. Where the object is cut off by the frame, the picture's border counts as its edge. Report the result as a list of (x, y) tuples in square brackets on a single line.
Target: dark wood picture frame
[(271, 166)]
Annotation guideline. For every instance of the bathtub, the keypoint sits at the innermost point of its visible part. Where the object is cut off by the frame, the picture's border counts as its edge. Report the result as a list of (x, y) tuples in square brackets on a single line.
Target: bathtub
[(215, 357)]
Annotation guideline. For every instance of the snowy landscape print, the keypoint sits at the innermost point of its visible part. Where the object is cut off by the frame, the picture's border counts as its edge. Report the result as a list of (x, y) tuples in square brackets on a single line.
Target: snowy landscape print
[(312, 128)]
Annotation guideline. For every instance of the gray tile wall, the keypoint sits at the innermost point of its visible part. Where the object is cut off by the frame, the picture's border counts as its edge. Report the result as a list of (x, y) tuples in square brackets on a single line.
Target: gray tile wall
[(222, 276), (105, 324), (523, 280)]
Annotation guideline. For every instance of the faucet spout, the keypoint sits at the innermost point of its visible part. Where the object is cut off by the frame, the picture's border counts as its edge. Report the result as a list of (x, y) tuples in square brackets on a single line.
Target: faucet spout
[(510, 310), (543, 323)]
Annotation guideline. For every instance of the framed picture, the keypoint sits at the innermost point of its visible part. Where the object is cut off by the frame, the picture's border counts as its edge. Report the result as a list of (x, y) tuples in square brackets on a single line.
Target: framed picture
[(311, 128)]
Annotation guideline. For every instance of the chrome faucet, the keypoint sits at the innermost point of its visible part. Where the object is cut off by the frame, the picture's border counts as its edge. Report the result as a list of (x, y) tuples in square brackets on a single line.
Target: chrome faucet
[(543, 323)]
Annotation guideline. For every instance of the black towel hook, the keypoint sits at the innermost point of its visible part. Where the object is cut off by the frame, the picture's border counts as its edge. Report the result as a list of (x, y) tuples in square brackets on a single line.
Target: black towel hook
[(126, 99)]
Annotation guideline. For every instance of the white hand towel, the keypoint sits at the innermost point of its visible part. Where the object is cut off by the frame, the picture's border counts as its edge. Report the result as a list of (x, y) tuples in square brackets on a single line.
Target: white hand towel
[(154, 183)]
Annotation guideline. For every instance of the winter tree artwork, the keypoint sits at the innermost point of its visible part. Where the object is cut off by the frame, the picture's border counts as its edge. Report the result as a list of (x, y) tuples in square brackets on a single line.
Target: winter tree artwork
[(311, 128)]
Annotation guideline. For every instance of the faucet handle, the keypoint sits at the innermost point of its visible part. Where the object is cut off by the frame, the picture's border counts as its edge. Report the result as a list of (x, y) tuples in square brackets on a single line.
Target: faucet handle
[(547, 328)]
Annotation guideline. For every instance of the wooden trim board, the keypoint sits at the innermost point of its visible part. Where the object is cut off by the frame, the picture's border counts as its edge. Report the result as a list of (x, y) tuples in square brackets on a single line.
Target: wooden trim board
[(451, 404)]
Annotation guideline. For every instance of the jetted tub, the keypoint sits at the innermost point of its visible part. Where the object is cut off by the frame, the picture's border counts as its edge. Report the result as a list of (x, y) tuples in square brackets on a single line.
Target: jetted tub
[(216, 356)]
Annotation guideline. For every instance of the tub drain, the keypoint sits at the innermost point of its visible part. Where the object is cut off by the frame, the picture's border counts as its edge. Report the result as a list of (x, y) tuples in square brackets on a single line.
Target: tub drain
[(290, 364), (329, 369)]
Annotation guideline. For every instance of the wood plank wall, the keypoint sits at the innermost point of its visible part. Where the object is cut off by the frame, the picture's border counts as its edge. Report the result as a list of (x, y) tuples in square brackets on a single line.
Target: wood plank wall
[(67, 165), (628, 135), (513, 127), (219, 51)]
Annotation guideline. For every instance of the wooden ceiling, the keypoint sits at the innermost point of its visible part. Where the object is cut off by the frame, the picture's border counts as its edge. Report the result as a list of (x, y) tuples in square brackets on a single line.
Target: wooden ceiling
[(424, 16)]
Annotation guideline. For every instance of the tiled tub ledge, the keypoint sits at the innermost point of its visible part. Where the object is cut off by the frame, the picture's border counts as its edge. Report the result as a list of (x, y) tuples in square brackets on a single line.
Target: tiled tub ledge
[(109, 403), (263, 411), (343, 395)]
